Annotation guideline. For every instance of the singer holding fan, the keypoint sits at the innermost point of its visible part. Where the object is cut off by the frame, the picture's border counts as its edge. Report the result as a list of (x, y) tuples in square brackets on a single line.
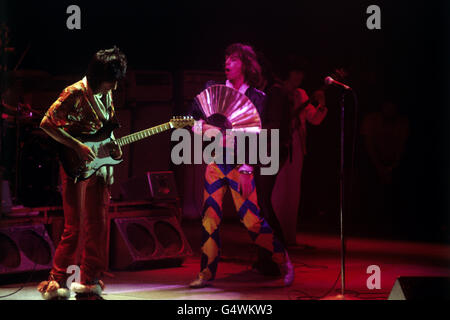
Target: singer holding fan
[(84, 108), (243, 75)]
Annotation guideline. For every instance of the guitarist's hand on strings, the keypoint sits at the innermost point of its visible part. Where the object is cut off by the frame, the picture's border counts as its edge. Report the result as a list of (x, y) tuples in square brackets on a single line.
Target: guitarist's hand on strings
[(85, 153)]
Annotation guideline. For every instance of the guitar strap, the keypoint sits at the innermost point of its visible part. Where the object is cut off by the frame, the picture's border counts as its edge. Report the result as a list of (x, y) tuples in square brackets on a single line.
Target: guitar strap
[(113, 121)]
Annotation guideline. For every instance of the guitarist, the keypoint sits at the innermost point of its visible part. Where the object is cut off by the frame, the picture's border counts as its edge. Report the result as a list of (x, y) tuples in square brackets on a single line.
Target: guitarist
[(83, 108)]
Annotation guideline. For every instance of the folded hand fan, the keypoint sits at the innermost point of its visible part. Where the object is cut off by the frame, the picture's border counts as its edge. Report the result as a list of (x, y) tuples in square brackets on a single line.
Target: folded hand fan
[(235, 108)]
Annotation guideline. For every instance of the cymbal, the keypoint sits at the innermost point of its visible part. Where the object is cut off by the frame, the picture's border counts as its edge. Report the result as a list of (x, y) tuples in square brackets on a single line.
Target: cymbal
[(25, 114)]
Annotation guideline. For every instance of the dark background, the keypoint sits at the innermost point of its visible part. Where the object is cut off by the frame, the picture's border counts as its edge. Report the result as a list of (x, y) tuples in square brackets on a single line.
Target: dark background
[(406, 60)]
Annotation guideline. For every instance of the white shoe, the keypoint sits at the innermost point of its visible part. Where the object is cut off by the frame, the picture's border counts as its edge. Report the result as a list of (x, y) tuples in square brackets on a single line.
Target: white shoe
[(59, 294), (51, 290), (88, 288)]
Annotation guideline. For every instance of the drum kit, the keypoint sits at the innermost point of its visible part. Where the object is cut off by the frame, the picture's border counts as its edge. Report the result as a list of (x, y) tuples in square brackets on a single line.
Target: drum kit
[(28, 153), (28, 157)]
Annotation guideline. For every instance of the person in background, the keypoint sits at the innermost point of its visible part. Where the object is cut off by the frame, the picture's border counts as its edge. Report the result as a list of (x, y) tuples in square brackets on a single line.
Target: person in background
[(288, 109), (385, 134)]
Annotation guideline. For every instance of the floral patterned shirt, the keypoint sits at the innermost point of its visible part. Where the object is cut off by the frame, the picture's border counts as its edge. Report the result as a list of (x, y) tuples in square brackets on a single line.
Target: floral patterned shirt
[(78, 111)]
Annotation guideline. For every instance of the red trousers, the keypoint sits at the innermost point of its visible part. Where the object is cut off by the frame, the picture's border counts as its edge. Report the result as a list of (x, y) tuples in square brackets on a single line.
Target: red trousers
[(85, 206)]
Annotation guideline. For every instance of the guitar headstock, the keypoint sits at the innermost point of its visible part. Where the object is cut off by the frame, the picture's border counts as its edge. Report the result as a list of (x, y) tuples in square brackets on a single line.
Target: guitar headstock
[(182, 121)]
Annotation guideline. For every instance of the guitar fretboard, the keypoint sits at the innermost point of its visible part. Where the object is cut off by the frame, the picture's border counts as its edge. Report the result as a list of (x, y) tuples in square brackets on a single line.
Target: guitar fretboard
[(143, 134)]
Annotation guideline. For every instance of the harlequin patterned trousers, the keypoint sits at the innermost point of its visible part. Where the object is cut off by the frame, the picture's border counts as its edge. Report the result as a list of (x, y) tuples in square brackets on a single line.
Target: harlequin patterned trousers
[(217, 178)]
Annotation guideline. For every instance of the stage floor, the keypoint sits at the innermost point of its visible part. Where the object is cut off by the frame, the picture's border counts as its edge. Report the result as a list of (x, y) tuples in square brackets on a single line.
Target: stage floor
[(316, 258)]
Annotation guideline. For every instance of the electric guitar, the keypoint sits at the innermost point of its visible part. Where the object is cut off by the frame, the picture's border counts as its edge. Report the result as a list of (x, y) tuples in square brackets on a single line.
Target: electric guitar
[(102, 145)]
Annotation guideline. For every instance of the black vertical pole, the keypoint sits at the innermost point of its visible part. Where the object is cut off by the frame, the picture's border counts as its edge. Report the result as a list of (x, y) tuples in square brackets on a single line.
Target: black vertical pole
[(341, 200)]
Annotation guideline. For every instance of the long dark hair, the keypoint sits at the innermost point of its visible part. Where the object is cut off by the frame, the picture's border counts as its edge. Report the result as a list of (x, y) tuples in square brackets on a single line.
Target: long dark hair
[(106, 65), (250, 66)]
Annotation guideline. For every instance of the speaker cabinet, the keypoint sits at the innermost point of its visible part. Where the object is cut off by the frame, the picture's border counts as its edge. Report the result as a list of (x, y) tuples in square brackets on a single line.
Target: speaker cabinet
[(155, 185), (25, 248), (5, 197), (153, 153), (147, 242), (121, 171), (421, 288), (149, 86), (194, 81)]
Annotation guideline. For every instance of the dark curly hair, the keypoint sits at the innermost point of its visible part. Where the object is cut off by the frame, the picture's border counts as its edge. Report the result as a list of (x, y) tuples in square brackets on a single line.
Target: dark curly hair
[(250, 66), (106, 65)]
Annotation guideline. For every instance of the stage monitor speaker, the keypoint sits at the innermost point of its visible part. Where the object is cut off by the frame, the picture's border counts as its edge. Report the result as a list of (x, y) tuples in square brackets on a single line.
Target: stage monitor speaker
[(147, 242), (421, 288), (25, 248), (154, 185)]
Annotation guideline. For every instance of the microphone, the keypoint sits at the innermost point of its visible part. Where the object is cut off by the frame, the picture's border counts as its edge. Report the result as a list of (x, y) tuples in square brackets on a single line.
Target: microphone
[(330, 80)]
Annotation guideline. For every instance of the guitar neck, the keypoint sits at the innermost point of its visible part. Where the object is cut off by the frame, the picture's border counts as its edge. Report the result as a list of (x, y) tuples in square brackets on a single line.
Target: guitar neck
[(143, 134)]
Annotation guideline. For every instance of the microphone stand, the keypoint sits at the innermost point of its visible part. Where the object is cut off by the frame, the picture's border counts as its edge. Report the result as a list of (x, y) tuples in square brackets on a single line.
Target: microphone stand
[(341, 193), (329, 81), (341, 198)]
